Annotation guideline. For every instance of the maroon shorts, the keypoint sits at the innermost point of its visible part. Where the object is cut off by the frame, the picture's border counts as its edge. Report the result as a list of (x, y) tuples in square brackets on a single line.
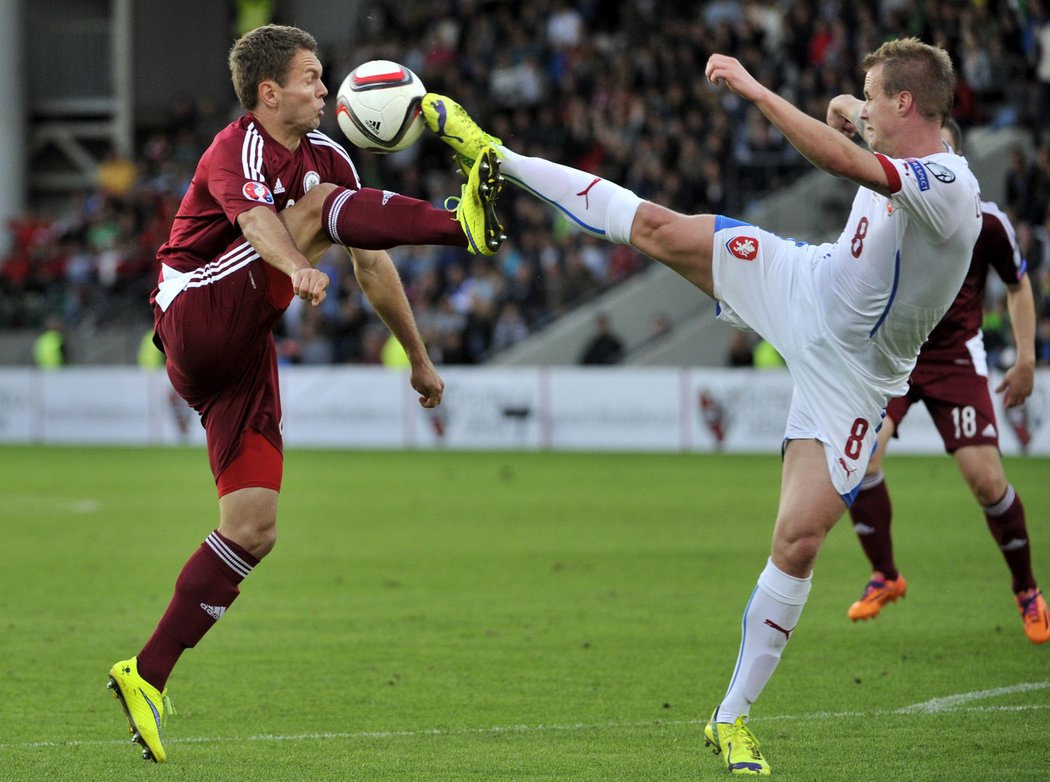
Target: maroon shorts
[(958, 401), (221, 355)]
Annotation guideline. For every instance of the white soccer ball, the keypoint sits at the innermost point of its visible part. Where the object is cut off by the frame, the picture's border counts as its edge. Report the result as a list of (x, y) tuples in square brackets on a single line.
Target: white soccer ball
[(379, 106)]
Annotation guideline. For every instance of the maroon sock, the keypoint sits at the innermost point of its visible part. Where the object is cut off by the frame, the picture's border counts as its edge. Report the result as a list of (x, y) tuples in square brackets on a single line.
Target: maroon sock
[(378, 220), (205, 588), (1007, 524), (872, 513)]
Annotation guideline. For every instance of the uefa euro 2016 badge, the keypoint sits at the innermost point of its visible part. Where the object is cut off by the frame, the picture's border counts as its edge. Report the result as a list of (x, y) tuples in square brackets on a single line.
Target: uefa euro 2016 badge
[(257, 191)]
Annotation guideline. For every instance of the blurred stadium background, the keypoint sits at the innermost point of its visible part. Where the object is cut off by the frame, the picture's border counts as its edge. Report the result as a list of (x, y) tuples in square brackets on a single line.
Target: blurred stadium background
[(115, 100)]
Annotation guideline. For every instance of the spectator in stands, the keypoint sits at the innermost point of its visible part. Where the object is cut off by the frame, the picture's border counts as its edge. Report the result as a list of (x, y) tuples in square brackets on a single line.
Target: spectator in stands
[(604, 346), (510, 327), (50, 350)]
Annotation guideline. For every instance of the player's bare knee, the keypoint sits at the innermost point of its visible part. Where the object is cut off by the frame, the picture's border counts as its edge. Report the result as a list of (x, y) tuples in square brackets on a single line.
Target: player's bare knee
[(303, 220), (987, 489), (265, 541), (258, 538), (311, 204), (680, 242), (795, 553)]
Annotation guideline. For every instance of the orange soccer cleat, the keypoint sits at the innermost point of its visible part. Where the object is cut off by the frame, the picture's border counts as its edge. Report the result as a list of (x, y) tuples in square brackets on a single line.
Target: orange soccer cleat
[(1035, 616), (879, 591)]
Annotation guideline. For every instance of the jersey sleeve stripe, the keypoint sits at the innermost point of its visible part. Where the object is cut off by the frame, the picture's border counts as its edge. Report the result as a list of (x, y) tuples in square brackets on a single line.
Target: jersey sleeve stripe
[(321, 140), (893, 179), (251, 154)]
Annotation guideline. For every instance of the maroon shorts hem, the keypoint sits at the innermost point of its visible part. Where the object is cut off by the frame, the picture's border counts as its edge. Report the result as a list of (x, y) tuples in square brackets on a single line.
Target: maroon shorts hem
[(258, 464)]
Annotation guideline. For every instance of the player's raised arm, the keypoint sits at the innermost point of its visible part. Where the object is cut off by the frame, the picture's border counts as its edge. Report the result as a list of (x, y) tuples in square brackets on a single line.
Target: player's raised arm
[(825, 146), (844, 116)]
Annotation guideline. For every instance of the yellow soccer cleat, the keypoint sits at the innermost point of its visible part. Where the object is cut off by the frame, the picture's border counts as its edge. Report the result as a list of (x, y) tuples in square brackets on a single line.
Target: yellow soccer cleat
[(737, 745), (475, 209), (1035, 616), (450, 122), (879, 592), (144, 706)]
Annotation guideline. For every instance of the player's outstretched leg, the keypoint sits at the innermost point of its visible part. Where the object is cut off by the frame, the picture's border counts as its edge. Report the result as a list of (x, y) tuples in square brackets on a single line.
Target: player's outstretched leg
[(597, 206), (878, 592), (476, 211), (1035, 615), (737, 745), (144, 706), (450, 122)]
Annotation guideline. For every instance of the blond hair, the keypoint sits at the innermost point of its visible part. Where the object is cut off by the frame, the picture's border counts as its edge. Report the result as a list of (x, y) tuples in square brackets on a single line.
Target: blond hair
[(265, 54), (909, 65)]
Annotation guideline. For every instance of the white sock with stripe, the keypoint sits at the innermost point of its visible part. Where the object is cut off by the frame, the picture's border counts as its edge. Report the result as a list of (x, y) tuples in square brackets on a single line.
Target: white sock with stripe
[(769, 619), (599, 207)]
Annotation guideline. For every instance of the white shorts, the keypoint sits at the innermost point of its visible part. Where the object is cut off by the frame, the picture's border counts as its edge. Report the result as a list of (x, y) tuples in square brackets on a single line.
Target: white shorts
[(768, 284)]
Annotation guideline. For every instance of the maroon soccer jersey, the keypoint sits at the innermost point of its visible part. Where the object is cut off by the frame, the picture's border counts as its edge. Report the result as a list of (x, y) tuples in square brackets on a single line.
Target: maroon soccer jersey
[(996, 249), (244, 168), (217, 300), (950, 377)]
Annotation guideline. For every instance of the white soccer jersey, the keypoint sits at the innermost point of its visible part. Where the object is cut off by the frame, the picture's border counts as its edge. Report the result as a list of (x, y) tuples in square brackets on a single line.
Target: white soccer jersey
[(898, 264), (849, 317)]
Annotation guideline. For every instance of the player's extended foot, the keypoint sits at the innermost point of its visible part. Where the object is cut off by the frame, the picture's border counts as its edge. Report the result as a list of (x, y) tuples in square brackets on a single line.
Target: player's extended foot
[(879, 591), (144, 706), (450, 122), (737, 745), (475, 209), (1034, 614)]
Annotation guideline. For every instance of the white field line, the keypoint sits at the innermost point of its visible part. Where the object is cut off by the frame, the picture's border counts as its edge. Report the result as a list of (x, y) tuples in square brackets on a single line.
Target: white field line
[(951, 703)]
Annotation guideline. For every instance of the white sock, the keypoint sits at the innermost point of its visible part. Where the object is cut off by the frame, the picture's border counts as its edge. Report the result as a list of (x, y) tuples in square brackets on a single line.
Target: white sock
[(769, 619), (599, 207)]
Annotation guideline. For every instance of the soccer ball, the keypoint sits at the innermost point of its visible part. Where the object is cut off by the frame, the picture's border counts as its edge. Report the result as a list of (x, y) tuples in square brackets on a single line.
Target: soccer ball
[(379, 106)]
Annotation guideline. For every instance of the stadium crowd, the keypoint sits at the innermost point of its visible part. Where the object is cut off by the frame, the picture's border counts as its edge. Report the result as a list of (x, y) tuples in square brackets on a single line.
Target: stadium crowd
[(613, 87)]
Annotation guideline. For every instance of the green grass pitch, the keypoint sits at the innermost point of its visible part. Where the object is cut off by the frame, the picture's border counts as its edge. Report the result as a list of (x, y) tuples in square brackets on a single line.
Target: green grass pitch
[(506, 616)]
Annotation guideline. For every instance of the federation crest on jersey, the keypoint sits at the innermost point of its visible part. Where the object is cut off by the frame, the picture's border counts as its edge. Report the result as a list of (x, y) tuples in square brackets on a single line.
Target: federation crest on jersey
[(743, 247), (311, 180), (257, 191)]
